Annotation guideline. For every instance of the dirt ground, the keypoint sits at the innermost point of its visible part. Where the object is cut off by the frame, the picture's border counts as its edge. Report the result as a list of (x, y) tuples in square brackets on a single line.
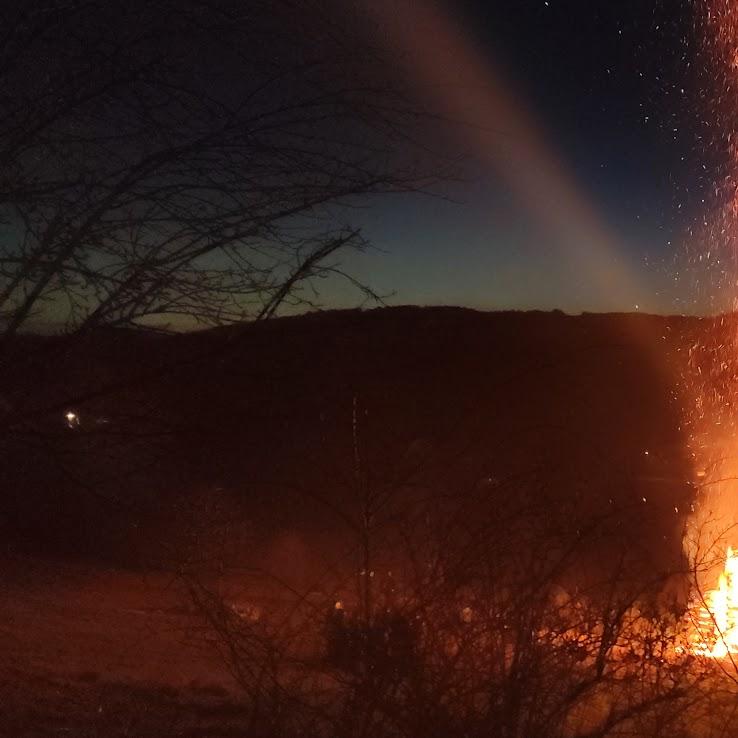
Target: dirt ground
[(87, 651)]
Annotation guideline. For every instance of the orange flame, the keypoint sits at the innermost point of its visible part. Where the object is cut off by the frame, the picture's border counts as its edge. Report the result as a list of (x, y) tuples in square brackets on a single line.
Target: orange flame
[(716, 618)]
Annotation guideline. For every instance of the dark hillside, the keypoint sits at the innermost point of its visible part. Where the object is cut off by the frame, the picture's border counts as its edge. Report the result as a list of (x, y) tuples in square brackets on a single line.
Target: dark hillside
[(581, 412)]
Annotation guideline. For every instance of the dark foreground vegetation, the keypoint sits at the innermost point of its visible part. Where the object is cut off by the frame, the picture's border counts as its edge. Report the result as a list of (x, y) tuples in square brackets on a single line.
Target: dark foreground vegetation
[(400, 522)]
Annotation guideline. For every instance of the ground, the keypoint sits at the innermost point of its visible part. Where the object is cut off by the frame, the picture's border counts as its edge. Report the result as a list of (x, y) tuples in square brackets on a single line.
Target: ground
[(91, 651)]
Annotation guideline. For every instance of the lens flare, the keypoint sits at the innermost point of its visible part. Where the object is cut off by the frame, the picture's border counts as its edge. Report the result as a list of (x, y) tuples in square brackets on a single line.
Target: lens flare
[(462, 82)]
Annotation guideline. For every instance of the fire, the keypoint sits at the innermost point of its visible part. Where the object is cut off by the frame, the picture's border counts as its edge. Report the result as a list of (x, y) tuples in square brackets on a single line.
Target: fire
[(717, 618)]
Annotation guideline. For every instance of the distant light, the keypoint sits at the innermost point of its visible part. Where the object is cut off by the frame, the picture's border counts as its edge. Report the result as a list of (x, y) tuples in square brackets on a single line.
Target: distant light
[(72, 419), (643, 498)]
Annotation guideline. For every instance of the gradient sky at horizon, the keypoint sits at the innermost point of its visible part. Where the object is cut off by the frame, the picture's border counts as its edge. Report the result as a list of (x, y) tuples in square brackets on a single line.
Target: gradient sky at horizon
[(615, 89)]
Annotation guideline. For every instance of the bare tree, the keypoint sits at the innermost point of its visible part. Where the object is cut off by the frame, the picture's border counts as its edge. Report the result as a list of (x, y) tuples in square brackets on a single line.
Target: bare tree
[(493, 628), (168, 164), (466, 611)]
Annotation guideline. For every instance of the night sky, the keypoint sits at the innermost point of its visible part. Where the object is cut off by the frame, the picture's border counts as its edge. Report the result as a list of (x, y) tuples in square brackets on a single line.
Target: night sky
[(617, 92)]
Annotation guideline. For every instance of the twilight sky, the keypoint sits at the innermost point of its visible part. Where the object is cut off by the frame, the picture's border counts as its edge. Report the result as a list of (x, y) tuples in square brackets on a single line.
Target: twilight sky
[(593, 160)]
